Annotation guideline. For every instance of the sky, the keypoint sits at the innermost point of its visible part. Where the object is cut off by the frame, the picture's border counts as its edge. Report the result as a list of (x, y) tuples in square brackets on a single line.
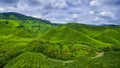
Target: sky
[(64, 11)]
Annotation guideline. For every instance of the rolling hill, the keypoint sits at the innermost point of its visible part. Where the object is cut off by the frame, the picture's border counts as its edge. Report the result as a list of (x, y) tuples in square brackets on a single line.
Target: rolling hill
[(110, 36), (71, 35), (19, 21), (27, 42), (37, 60), (91, 30), (32, 60), (16, 31)]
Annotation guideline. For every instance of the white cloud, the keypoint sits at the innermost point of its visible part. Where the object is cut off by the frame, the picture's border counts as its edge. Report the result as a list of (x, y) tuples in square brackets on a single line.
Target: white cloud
[(75, 15), (23, 5), (92, 12), (67, 19), (36, 16), (94, 2), (97, 19), (60, 4), (106, 13), (2, 9), (62, 11), (53, 19)]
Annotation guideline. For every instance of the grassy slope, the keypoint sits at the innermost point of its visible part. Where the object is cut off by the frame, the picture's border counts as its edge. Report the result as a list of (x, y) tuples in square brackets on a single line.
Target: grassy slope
[(106, 33), (61, 50), (16, 31), (11, 44), (109, 36), (36, 60), (32, 60), (91, 30), (109, 60), (71, 35)]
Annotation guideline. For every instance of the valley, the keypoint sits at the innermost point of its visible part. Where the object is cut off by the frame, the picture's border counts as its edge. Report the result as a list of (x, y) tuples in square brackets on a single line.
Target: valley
[(27, 42)]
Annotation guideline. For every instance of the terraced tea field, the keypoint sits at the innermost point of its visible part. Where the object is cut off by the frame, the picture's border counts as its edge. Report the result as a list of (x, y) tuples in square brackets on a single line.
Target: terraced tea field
[(28, 42), (37, 60)]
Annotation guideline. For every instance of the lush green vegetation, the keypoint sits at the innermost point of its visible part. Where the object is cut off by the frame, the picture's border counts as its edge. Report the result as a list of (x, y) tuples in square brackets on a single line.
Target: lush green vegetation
[(37, 60), (27, 42), (62, 50)]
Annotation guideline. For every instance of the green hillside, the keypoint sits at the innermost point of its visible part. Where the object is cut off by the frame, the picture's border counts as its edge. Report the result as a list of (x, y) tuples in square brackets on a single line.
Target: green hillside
[(21, 21), (62, 50), (91, 30), (70, 35), (110, 36), (27, 42), (34, 60), (16, 31), (108, 60), (28, 60), (37, 60)]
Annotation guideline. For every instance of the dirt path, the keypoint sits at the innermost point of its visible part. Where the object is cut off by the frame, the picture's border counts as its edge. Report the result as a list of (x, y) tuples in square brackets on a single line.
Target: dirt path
[(68, 61), (99, 55)]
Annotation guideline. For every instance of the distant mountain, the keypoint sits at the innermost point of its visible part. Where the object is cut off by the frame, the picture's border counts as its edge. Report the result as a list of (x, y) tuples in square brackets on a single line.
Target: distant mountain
[(18, 16), (20, 23), (13, 15), (25, 39)]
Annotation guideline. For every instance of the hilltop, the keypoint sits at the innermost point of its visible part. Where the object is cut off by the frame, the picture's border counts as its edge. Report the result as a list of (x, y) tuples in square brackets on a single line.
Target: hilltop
[(44, 44)]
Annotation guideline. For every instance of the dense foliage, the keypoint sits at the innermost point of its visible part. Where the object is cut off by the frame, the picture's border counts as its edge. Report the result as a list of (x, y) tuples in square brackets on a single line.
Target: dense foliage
[(37, 60), (27, 42), (61, 50)]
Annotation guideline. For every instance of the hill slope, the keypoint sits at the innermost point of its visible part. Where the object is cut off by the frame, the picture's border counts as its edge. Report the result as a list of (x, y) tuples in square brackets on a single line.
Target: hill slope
[(78, 43), (91, 30), (110, 36), (37, 60), (67, 34), (16, 31), (32, 60), (13, 22)]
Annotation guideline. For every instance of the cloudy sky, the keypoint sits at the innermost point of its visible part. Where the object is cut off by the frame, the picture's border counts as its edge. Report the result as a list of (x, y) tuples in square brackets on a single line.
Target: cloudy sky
[(63, 11)]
